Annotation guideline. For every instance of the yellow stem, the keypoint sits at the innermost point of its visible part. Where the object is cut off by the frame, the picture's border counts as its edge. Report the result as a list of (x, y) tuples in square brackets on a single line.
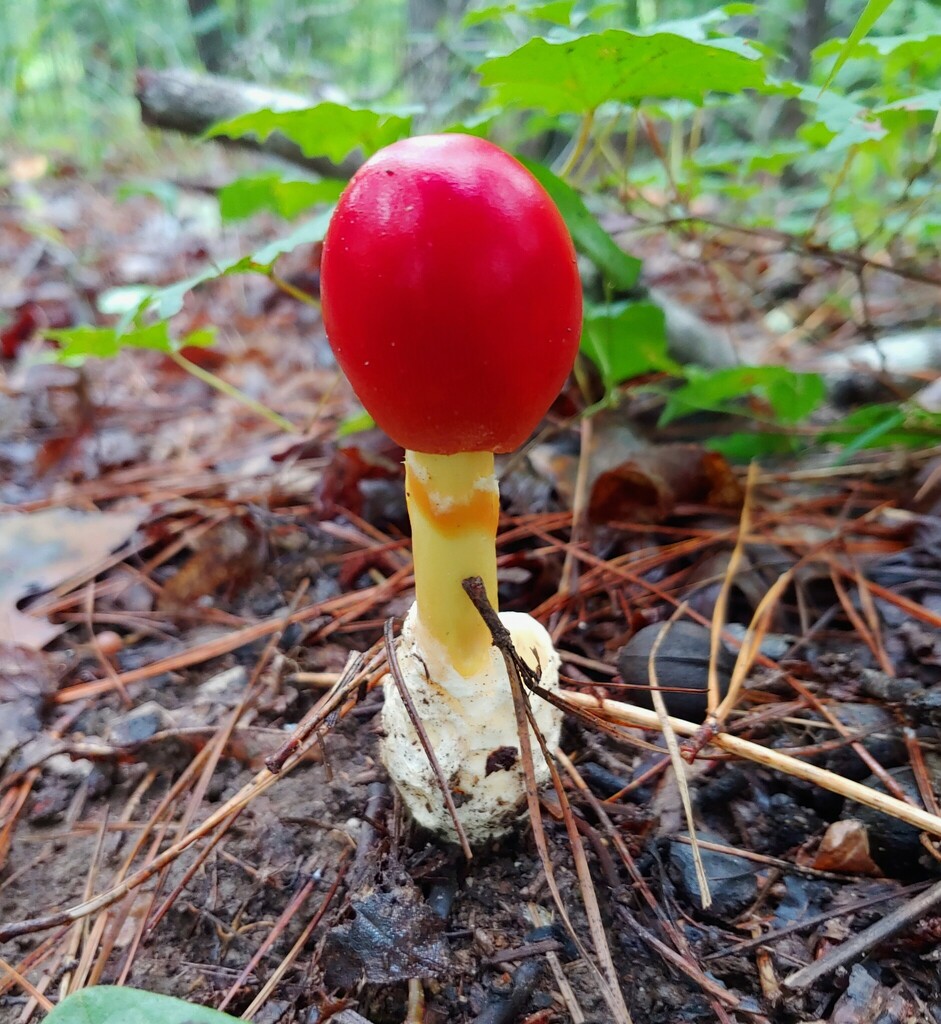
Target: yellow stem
[(454, 505)]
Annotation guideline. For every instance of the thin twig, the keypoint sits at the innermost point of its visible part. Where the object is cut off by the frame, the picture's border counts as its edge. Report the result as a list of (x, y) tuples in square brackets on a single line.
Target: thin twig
[(879, 801), (884, 928), (419, 728)]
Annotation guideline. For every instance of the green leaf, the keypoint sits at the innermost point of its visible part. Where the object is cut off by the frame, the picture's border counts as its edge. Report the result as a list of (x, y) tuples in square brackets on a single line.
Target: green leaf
[(791, 396), (559, 12), (838, 122), (744, 447), (271, 192), (896, 53), (578, 75), (626, 340), (76, 344), (328, 129), (620, 270), (167, 302), (112, 1005), (873, 11), (929, 101), (355, 424), (884, 426), (702, 26)]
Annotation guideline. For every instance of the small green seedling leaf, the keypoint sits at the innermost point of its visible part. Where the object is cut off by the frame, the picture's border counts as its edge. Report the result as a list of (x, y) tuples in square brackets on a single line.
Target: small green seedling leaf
[(113, 1005), (76, 344), (627, 340), (619, 269), (271, 192), (578, 75), (327, 129), (873, 11)]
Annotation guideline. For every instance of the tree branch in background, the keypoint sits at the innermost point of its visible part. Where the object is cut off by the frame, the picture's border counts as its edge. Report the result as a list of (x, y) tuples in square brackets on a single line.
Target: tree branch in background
[(190, 103)]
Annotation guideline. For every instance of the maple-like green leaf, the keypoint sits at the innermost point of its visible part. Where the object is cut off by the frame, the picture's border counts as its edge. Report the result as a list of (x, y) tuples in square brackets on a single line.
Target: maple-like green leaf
[(579, 75), (327, 129), (271, 192)]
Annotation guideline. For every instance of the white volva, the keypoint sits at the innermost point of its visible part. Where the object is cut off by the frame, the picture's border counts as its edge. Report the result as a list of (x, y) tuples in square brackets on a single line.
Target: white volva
[(469, 720)]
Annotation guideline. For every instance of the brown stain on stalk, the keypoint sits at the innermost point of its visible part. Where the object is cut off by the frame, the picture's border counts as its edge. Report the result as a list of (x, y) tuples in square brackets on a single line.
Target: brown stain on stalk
[(480, 511)]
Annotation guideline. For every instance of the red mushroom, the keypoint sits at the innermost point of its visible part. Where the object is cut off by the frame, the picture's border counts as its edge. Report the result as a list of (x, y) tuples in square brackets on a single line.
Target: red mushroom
[(452, 301)]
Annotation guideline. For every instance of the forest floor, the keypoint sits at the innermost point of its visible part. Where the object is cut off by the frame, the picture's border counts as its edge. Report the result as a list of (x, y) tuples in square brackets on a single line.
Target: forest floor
[(182, 582)]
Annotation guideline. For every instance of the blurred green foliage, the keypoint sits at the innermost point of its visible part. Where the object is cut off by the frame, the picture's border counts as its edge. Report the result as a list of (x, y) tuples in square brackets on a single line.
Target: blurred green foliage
[(816, 120)]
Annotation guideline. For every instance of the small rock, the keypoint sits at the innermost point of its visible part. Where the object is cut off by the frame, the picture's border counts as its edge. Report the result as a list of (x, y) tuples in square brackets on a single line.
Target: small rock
[(682, 668), (139, 725), (732, 880)]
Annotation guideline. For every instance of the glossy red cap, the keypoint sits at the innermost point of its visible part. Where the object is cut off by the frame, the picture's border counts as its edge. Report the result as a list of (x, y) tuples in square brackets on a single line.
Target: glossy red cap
[(451, 295)]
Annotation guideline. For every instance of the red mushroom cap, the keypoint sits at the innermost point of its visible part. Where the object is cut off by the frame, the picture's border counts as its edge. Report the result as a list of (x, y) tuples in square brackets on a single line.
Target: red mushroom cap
[(451, 295)]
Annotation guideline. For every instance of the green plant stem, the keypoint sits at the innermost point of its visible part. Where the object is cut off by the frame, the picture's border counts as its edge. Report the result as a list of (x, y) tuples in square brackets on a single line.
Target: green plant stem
[(834, 188), (293, 290), (584, 134), (231, 391)]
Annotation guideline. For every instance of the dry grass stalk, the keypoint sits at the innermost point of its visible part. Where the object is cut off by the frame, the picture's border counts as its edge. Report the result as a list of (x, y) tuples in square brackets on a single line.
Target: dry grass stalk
[(640, 718)]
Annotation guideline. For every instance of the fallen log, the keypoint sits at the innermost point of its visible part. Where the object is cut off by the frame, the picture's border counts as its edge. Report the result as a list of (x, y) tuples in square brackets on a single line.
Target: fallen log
[(190, 102)]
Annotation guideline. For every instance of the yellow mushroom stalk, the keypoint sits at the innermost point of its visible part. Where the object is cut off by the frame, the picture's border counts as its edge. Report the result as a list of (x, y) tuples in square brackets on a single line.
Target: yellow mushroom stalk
[(454, 506)]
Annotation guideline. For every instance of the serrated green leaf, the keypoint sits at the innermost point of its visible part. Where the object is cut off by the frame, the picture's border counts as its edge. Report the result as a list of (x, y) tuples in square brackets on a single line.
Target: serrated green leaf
[(271, 192), (167, 302), (619, 269), (109, 1004), (873, 10), (578, 75), (76, 344), (327, 129), (626, 340), (791, 396)]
